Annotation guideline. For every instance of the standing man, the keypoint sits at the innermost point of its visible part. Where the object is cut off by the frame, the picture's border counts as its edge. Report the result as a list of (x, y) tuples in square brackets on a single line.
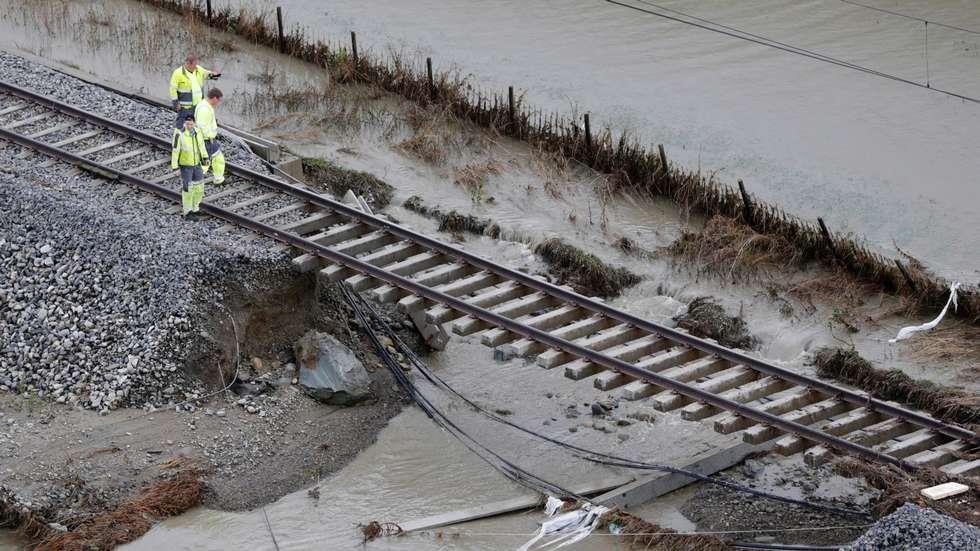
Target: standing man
[(207, 124), (187, 88), (189, 155)]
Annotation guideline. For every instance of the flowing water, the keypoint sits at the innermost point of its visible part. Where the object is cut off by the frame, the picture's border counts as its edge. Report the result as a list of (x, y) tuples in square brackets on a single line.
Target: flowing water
[(888, 161)]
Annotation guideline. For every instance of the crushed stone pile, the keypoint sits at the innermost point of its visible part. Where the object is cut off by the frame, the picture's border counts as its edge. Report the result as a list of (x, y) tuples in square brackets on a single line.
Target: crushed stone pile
[(97, 305), (913, 528)]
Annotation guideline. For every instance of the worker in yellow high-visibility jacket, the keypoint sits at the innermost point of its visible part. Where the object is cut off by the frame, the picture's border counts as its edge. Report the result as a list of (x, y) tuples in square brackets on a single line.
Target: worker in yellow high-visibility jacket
[(187, 88), (207, 124), (190, 156)]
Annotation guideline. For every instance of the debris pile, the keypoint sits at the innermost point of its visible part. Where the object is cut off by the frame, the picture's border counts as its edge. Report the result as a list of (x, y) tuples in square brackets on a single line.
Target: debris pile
[(706, 318), (584, 271)]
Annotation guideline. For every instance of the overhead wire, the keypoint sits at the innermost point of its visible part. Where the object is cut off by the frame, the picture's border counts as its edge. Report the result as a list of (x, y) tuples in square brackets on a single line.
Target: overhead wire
[(712, 26), (912, 17), (593, 456)]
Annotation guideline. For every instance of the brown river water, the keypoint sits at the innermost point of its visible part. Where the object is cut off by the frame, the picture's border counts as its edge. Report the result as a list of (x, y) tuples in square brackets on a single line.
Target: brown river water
[(887, 161), (891, 162)]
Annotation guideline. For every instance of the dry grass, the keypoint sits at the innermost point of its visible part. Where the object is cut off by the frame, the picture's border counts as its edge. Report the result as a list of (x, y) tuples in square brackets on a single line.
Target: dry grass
[(899, 487), (835, 288), (133, 518), (730, 249), (947, 404), (585, 272), (425, 146), (706, 318), (953, 341), (647, 535), (473, 178)]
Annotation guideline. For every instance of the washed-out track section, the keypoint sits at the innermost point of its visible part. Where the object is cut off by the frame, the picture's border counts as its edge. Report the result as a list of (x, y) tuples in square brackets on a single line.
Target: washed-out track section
[(516, 314)]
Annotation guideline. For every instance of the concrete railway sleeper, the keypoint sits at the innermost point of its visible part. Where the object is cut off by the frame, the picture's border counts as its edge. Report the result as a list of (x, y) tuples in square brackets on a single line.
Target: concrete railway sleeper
[(516, 313)]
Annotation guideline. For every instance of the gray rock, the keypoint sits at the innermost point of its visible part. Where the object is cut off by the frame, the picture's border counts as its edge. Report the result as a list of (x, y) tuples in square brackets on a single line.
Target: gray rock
[(912, 528), (329, 371)]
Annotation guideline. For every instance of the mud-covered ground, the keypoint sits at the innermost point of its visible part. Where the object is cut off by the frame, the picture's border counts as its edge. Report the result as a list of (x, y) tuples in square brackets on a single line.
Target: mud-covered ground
[(257, 458)]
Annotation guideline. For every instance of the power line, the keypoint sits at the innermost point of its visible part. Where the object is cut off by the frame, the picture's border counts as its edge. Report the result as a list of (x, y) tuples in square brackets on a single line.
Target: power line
[(709, 25), (912, 17)]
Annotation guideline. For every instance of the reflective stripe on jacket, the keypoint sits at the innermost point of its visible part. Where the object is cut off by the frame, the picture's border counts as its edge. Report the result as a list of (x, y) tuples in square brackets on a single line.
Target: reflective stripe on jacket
[(187, 88), (206, 121), (188, 149)]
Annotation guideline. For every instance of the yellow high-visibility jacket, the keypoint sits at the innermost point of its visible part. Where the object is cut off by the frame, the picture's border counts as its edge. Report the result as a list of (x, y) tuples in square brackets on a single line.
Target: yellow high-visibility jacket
[(187, 88), (206, 121), (188, 149)]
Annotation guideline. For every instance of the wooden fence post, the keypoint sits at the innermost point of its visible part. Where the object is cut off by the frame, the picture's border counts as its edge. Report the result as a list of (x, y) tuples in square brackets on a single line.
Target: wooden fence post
[(282, 35), (663, 161), (746, 203), (432, 86), (830, 240), (510, 104), (210, 13), (588, 134), (353, 46), (908, 278)]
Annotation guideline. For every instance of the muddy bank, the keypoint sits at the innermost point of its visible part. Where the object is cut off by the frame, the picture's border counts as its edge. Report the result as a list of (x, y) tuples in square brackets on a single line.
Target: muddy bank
[(629, 164), (260, 440)]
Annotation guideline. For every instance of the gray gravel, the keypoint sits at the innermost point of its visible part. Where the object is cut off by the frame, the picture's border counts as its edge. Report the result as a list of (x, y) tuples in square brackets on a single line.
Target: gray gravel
[(45, 80), (913, 528), (98, 296)]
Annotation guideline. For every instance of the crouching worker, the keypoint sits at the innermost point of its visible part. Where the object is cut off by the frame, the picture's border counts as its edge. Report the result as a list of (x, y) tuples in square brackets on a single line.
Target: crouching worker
[(207, 124), (191, 156)]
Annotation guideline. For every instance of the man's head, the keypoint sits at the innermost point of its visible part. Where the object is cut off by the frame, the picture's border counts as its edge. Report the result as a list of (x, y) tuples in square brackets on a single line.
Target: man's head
[(189, 123), (214, 97), (190, 63)]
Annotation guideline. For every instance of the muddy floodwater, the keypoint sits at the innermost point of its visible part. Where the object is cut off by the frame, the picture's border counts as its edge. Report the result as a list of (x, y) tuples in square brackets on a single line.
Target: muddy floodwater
[(416, 470), (888, 161)]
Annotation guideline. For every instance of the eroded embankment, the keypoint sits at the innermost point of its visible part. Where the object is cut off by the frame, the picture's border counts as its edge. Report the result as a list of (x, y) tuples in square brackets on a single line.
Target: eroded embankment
[(628, 164), (945, 403)]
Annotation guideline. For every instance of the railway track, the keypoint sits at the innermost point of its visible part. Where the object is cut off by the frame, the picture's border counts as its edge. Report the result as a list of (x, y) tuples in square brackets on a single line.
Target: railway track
[(516, 314)]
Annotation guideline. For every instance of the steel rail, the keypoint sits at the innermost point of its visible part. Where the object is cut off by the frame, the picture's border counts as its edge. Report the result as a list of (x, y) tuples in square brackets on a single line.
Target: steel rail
[(461, 305), (479, 313)]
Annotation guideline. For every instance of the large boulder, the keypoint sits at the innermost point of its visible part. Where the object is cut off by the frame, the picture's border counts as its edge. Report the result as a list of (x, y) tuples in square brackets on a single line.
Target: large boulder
[(329, 371)]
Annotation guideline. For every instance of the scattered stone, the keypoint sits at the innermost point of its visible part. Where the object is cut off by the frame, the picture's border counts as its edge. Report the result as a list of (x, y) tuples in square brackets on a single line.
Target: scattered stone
[(503, 411), (752, 468)]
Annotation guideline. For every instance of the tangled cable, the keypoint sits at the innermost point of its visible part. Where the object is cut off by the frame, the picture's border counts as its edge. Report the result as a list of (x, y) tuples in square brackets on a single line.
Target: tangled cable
[(358, 303)]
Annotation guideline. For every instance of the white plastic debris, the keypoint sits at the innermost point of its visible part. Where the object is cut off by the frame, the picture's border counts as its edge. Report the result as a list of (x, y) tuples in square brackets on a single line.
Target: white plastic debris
[(942, 491), (568, 528), (907, 332)]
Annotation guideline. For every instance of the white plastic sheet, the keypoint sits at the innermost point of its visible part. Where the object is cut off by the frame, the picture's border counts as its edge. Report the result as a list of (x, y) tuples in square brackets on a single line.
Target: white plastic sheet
[(907, 332), (568, 528)]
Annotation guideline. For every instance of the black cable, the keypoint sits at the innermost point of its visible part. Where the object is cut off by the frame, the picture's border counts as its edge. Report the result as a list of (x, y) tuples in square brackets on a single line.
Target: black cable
[(906, 16), (763, 41), (584, 453), (507, 468)]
